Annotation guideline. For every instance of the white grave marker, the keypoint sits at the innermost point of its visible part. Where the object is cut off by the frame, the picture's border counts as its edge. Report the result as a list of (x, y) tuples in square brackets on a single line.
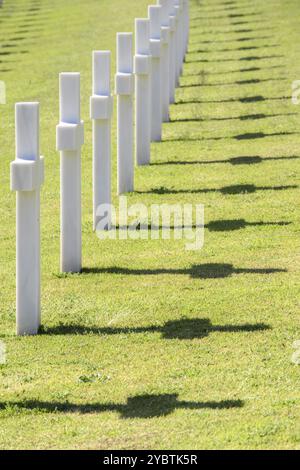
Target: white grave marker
[(165, 58), (172, 19), (70, 138), (124, 92), (179, 40), (154, 13), (101, 109), (142, 68), (27, 176)]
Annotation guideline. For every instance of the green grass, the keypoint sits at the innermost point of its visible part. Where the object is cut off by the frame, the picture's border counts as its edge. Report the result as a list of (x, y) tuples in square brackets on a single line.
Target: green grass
[(154, 346)]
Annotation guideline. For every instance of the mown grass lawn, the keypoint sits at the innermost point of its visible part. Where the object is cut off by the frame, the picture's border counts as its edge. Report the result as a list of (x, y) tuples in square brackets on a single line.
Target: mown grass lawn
[(153, 346)]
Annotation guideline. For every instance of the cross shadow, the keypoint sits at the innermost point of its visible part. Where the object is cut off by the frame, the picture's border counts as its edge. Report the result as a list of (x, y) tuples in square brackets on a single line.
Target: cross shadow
[(248, 59), (232, 161), (234, 189), (260, 135), (245, 117), (252, 81), (203, 73), (184, 329), (226, 31), (226, 6), (230, 27), (247, 99), (230, 15), (255, 160), (233, 49), (17, 39), (220, 7), (238, 224), (8, 53), (137, 407), (202, 271), (7, 46), (251, 188), (241, 39), (242, 22), (243, 15), (213, 226), (247, 136)]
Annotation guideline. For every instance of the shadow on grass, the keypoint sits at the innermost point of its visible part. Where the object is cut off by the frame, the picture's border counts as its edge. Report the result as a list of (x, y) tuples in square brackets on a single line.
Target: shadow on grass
[(203, 74), (243, 22), (253, 81), (184, 329), (261, 135), (139, 407), (252, 25), (244, 117), (226, 31), (241, 48), (248, 99), (213, 226), (8, 46), (238, 224), (229, 15), (202, 271), (247, 136), (242, 59), (241, 39), (226, 190), (232, 161), (13, 53), (221, 7)]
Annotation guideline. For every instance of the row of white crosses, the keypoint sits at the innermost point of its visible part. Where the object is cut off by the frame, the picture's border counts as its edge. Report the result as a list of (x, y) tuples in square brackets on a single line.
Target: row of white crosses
[(151, 76)]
